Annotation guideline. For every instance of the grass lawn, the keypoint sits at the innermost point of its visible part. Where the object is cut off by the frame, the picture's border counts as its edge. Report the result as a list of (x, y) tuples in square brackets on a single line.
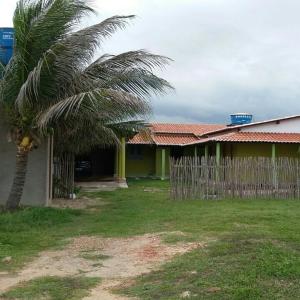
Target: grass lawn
[(253, 249), (56, 288)]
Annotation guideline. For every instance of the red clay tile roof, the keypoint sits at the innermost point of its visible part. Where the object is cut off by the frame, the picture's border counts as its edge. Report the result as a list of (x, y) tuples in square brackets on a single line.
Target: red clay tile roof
[(174, 139), (196, 129), (174, 134), (265, 137), (140, 138), (178, 139), (189, 134)]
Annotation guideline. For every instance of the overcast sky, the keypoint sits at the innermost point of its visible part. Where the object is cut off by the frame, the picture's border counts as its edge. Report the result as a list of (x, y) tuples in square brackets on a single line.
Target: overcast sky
[(229, 55)]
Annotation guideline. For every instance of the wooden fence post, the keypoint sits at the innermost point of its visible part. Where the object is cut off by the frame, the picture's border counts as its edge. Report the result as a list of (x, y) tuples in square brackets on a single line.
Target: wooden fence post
[(246, 177)]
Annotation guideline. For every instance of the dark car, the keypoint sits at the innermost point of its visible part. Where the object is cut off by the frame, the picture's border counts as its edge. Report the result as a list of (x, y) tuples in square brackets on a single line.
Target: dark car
[(83, 168)]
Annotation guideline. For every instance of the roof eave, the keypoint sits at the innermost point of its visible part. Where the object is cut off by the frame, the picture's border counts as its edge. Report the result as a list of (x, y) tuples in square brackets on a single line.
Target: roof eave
[(237, 127)]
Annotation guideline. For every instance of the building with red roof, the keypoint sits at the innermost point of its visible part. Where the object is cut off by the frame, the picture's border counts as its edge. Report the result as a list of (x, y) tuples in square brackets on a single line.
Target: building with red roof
[(147, 153)]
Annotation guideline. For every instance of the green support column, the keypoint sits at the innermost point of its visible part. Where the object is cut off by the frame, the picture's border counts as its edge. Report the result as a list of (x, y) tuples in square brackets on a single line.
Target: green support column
[(273, 152), (163, 164), (157, 162), (116, 175), (218, 160), (218, 153), (206, 152), (123, 158), (275, 183), (195, 152), (119, 163)]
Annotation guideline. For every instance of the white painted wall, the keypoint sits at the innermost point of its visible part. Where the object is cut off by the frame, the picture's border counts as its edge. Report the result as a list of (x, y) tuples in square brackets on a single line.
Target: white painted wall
[(285, 126), (36, 189)]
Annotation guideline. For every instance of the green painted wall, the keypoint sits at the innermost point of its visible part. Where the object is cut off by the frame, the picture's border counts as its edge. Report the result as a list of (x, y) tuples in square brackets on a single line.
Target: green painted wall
[(158, 156), (289, 150), (246, 149), (142, 166), (149, 162), (259, 149)]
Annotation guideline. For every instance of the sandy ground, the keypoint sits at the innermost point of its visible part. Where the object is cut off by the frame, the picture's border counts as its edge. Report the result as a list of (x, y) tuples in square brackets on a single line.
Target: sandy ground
[(79, 203), (126, 259)]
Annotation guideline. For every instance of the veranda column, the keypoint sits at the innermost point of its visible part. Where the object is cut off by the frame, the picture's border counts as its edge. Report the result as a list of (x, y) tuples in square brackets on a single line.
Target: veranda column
[(218, 160), (116, 175), (273, 153), (206, 152), (218, 153), (119, 163), (123, 158), (158, 162), (163, 164), (195, 152), (275, 183)]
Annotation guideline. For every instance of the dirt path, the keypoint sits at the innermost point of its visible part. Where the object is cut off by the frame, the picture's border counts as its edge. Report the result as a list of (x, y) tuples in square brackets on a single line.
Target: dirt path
[(115, 260)]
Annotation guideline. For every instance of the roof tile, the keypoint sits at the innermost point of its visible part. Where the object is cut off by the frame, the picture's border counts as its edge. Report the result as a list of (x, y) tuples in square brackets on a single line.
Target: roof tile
[(266, 137), (189, 134), (174, 139), (173, 134), (141, 138), (197, 129)]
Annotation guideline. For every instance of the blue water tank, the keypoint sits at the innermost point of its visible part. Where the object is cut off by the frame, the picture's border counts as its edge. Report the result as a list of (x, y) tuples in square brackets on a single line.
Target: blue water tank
[(6, 44), (241, 118)]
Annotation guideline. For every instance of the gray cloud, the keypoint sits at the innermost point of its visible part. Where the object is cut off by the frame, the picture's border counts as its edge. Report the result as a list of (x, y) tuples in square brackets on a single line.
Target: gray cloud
[(229, 55)]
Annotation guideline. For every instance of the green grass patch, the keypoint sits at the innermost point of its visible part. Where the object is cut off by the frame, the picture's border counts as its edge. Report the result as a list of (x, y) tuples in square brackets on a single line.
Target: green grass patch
[(231, 268), (253, 254), (174, 238), (53, 288), (26, 232)]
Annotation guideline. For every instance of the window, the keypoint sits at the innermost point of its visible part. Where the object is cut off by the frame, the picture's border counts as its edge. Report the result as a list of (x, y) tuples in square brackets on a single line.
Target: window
[(135, 152)]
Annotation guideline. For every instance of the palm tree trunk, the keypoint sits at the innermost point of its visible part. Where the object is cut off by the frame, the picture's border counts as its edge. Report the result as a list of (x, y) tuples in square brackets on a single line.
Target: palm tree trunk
[(16, 191)]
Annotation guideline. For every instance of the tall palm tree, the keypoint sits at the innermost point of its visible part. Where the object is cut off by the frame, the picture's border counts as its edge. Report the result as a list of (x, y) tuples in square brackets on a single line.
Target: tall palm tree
[(52, 86)]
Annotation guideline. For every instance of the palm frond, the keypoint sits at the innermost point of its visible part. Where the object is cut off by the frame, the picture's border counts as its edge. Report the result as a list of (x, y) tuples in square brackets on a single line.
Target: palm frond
[(50, 83), (78, 139), (104, 105), (56, 70), (130, 72), (129, 128), (38, 24), (141, 83), (130, 59)]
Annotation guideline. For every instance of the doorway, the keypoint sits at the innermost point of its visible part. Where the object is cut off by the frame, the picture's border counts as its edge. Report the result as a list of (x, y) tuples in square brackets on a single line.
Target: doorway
[(98, 165)]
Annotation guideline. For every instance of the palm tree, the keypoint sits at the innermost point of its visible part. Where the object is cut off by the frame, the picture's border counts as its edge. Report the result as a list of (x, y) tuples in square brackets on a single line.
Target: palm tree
[(52, 86)]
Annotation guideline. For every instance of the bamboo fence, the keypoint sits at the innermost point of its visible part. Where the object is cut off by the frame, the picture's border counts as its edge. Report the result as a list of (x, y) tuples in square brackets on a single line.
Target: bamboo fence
[(247, 177), (63, 175)]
